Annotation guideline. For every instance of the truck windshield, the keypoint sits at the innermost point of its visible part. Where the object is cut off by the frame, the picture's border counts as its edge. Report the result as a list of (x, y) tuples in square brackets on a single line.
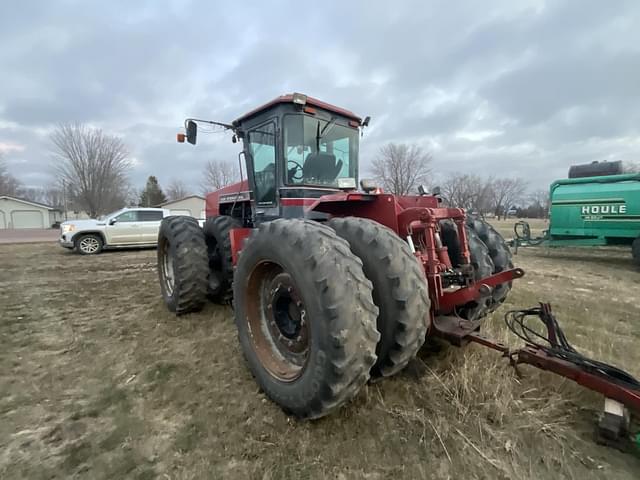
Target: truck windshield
[(109, 215), (319, 152)]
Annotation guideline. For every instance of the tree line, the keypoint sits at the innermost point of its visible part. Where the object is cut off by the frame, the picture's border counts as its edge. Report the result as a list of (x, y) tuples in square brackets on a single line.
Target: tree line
[(400, 169), (91, 173)]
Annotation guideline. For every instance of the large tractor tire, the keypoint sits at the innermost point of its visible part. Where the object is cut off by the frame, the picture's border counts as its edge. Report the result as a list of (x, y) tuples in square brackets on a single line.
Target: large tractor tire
[(305, 316), (500, 256), (480, 260), (216, 235), (182, 264), (399, 290), (635, 251)]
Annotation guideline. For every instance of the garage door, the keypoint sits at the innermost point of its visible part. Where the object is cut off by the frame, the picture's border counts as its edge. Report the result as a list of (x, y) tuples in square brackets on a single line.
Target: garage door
[(3, 223), (181, 212), (27, 219)]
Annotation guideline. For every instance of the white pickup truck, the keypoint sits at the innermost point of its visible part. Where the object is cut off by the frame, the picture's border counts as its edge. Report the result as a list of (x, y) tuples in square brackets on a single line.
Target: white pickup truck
[(128, 227)]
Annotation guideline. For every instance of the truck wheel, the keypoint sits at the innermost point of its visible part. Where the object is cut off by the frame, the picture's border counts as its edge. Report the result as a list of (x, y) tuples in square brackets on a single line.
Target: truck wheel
[(500, 256), (635, 251), (216, 235), (89, 244), (305, 316), (399, 290), (480, 259), (182, 264)]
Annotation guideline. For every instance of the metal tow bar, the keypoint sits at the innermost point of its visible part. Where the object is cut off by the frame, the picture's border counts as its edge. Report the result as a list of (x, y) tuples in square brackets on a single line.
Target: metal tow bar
[(553, 353)]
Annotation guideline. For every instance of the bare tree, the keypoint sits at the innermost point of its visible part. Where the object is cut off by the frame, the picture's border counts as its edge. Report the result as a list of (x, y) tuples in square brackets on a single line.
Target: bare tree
[(33, 194), (93, 165), (217, 174), (506, 192), (54, 196), (468, 191), (9, 185), (538, 205), (631, 167), (401, 168), (541, 199), (177, 189)]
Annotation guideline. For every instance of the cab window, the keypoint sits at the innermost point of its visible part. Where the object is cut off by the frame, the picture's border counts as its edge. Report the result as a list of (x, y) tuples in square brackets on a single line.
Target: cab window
[(150, 216), (319, 152), (262, 146)]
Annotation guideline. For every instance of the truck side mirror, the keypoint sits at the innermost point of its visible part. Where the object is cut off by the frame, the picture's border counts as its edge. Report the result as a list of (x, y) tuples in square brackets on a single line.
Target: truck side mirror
[(192, 132), (113, 221)]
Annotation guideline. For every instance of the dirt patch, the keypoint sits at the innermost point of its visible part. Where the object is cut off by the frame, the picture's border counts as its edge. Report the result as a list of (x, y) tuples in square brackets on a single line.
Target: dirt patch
[(98, 380)]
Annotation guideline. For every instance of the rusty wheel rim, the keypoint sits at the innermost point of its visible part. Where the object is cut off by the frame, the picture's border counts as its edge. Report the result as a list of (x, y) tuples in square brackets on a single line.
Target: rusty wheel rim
[(168, 274), (277, 321)]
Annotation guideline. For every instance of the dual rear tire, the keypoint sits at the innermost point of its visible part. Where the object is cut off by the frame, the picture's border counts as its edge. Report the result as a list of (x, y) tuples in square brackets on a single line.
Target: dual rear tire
[(321, 309), (399, 290), (194, 264), (489, 255), (182, 264), (217, 238)]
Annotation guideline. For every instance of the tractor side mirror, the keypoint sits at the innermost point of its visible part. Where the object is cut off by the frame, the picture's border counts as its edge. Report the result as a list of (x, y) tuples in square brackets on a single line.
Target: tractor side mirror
[(192, 132), (436, 191)]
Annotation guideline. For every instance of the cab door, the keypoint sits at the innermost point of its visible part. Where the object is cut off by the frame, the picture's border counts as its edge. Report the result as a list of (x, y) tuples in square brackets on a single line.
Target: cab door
[(263, 169), (149, 225), (123, 229)]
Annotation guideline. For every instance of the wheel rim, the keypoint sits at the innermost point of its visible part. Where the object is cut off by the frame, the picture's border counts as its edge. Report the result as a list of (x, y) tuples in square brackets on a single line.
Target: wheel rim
[(277, 321), (168, 276), (89, 245)]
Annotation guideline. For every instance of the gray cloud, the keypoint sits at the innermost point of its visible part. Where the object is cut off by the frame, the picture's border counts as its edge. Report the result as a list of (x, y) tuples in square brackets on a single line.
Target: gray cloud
[(517, 88)]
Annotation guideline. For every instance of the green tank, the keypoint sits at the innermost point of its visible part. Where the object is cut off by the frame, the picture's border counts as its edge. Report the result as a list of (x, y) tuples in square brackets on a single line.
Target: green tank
[(601, 210)]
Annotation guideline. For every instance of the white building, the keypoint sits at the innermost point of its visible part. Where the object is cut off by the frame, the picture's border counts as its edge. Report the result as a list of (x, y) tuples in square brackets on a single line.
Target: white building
[(192, 206), (17, 213)]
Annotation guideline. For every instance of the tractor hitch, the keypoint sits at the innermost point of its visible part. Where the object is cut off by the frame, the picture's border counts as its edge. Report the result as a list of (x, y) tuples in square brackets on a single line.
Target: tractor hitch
[(450, 299), (553, 353)]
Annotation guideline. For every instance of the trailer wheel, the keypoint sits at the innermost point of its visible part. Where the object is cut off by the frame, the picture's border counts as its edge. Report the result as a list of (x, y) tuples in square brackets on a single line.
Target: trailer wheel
[(500, 256), (182, 264), (635, 251), (216, 235), (399, 290), (305, 316), (480, 259)]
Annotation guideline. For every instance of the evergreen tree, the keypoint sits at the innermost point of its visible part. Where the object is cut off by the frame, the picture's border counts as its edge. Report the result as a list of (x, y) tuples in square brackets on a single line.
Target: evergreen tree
[(152, 195)]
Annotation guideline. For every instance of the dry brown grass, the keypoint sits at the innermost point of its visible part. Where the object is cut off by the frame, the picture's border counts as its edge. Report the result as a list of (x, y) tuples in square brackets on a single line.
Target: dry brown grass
[(99, 381)]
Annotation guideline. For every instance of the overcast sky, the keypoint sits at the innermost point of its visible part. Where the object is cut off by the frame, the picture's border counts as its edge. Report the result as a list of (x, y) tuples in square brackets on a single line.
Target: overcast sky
[(519, 88)]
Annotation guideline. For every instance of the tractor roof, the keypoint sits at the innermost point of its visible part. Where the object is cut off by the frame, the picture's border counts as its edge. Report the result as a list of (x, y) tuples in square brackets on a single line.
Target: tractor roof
[(288, 98)]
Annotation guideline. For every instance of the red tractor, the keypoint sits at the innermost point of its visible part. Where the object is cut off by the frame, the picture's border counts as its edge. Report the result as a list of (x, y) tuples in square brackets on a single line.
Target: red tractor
[(331, 286)]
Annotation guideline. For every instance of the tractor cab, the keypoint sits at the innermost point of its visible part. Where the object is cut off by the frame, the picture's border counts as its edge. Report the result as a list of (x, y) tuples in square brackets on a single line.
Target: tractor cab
[(296, 149)]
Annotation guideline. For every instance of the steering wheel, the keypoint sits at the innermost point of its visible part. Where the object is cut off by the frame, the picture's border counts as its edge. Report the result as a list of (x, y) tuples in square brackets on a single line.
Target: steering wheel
[(296, 172)]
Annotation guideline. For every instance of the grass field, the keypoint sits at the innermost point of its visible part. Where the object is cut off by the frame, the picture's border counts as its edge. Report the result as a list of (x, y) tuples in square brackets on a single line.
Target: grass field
[(98, 380)]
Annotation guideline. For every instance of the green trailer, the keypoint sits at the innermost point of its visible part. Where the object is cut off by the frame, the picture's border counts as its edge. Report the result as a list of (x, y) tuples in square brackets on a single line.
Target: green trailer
[(591, 211)]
